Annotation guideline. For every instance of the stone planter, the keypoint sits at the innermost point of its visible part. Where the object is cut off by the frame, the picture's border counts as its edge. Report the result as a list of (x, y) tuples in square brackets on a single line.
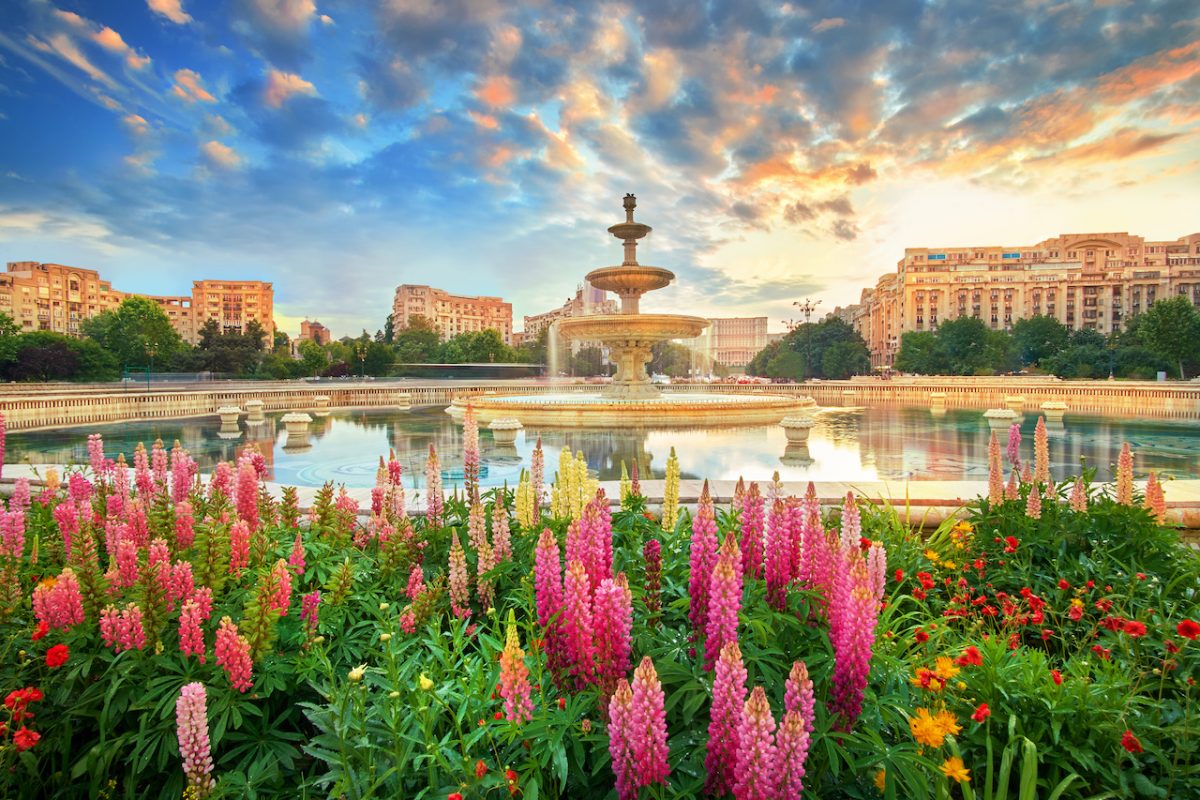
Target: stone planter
[(1000, 418), (321, 405), (1054, 409), (1015, 402), (504, 430), (796, 428), (296, 423), (229, 415), (254, 411)]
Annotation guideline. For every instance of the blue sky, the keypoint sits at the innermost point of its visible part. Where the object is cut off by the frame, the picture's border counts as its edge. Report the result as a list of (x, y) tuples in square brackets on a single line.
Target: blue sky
[(780, 150)]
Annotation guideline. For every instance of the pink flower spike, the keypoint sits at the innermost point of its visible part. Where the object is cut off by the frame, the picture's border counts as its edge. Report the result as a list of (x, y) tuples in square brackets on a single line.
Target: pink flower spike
[(191, 723)]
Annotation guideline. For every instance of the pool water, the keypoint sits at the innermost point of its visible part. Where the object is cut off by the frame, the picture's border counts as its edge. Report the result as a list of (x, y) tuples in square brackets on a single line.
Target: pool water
[(846, 445)]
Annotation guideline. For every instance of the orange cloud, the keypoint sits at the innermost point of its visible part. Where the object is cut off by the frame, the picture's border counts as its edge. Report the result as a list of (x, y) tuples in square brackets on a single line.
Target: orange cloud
[(497, 91), (137, 124), (283, 85), (1150, 73), (1125, 143), (486, 121), (828, 24), (189, 87), (171, 9), (109, 39), (220, 155)]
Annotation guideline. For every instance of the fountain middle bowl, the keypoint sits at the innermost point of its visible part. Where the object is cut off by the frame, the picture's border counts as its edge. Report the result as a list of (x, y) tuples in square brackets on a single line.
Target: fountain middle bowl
[(610, 328)]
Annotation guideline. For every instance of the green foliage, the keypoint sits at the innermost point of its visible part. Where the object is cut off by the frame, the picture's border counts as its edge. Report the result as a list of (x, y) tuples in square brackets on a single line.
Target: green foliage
[(135, 332), (826, 349), (1171, 328), (1038, 337), (47, 356)]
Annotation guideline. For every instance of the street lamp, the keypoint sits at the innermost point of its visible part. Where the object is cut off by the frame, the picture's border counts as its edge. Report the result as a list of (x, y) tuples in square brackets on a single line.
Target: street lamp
[(806, 308), (151, 349)]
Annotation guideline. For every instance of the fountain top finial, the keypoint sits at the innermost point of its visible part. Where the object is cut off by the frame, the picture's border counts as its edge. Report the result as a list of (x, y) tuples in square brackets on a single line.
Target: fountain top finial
[(630, 204)]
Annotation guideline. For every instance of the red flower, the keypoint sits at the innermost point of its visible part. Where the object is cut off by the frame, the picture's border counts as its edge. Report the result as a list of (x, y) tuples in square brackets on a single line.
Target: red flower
[(1056, 676), (1141, 576), (25, 739), (512, 781), (1103, 652), (57, 656), (498, 715), (454, 796), (480, 768), (899, 575), (1188, 629), (1010, 544), (562, 702), (918, 594), (1135, 628), (921, 636), (981, 713), (1062, 584), (1130, 742), (971, 657), (42, 629)]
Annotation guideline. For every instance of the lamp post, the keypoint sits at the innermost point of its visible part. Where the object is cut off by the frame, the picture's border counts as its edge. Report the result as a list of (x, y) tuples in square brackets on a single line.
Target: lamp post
[(151, 349)]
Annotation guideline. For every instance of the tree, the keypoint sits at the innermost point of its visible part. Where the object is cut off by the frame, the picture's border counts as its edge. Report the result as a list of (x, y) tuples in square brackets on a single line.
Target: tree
[(281, 343), (1079, 361), (1087, 337), (210, 334), (670, 358), (477, 347), (388, 334), (965, 342), (9, 334), (136, 332), (845, 358), (44, 356), (786, 364), (921, 352), (418, 343), (313, 357), (1171, 328), (1037, 337), (810, 341), (588, 361), (255, 335)]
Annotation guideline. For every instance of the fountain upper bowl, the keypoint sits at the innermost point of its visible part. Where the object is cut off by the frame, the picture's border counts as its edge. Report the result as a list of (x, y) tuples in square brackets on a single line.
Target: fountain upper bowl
[(630, 279)]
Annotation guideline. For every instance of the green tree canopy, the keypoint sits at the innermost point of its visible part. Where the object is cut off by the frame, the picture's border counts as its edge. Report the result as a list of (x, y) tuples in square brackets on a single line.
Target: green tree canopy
[(313, 357), (1037, 337), (811, 341), (136, 332), (1171, 328)]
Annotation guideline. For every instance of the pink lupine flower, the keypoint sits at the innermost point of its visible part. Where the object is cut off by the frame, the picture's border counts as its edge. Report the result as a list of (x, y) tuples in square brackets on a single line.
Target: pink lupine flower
[(577, 625), (851, 530), (239, 547), (702, 558), (394, 469), (1125, 476), (514, 677), (635, 487), (798, 694), (648, 726), (778, 561), (159, 553), (1033, 504), (142, 477), (857, 613), (434, 501), (1014, 446), (501, 535), (792, 743), (476, 525), (620, 741), (79, 489), (158, 463), (139, 523), (416, 582), (1041, 453), (66, 515), (548, 590), (222, 480), (729, 696), (185, 532), (3, 437), (995, 472), (812, 539), (181, 584), (612, 616), (233, 655), (19, 502), (60, 606), (652, 556), (877, 568), (1156, 501), (752, 532), (95, 446), (377, 499), (470, 452), (183, 473), (309, 604), (460, 588), (578, 545), (296, 560), (191, 725), (122, 630), (1026, 473), (1011, 489), (191, 637), (756, 769), (281, 601), (724, 601), (127, 563), (1079, 500), (596, 526), (12, 533), (247, 494), (537, 477)]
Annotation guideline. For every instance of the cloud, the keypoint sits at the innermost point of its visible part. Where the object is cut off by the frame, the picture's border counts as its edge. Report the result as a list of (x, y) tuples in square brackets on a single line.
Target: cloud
[(496, 91), (845, 230), (136, 124), (220, 155), (65, 48), (282, 85), (828, 24), (171, 9), (1123, 144), (109, 39), (278, 28), (189, 87)]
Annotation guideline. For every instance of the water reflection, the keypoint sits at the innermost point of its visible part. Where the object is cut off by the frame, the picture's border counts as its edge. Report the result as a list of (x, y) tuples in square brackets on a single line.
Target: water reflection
[(846, 444)]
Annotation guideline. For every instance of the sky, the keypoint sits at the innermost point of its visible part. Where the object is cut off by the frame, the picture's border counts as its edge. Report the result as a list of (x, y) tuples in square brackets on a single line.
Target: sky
[(781, 151)]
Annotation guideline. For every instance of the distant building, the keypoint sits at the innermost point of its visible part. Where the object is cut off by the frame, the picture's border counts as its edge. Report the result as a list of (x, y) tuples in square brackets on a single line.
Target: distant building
[(314, 332), (588, 300), (1095, 281), (731, 341), (452, 314), (58, 298)]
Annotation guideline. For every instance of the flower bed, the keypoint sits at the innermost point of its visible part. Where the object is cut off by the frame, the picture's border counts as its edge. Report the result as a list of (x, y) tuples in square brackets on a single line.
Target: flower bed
[(170, 636)]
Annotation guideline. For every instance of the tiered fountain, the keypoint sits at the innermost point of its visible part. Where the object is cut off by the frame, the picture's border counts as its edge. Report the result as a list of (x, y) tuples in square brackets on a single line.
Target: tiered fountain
[(631, 398)]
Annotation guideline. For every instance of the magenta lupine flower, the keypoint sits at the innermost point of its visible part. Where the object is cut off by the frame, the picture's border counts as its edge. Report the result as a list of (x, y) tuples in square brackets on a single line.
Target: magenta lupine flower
[(247, 494), (514, 678), (233, 655), (756, 769), (122, 630), (812, 535), (1155, 501), (12, 533), (702, 558), (548, 589), (158, 463), (537, 477), (416, 582), (501, 534), (183, 473), (620, 741), (460, 588), (752, 532), (61, 605), (578, 546), (597, 524), (296, 560), (1014, 446), (858, 613), (239, 547), (95, 447), (798, 695), (877, 569), (648, 726), (778, 562), (476, 525), (3, 437), (79, 489), (434, 500), (67, 517), (792, 743), (652, 556), (793, 516), (725, 716), (181, 583), (1125, 476), (203, 597), (1041, 453), (191, 726), (470, 452), (185, 532), (141, 471), (1033, 504), (19, 502), (191, 637), (577, 625), (127, 563), (281, 576), (309, 604), (724, 601), (612, 616), (1078, 501)]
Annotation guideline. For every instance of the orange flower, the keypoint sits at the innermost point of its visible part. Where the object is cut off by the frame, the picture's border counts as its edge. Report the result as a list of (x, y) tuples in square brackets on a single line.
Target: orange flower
[(954, 768)]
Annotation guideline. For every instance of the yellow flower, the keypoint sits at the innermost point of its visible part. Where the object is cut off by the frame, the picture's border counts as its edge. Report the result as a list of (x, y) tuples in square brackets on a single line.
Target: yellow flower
[(945, 668), (949, 565), (953, 768), (385, 637), (961, 685), (964, 526), (946, 723), (881, 779), (925, 729), (932, 555), (357, 673), (426, 684)]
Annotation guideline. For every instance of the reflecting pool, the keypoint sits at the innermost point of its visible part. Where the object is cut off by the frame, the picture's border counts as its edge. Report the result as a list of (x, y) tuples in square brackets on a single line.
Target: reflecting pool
[(846, 445)]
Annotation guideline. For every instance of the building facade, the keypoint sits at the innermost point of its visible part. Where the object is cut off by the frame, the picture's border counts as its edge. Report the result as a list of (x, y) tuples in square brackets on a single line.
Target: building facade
[(1094, 281), (314, 332), (732, 341), (452, 314), (588, 300), (58, 298)]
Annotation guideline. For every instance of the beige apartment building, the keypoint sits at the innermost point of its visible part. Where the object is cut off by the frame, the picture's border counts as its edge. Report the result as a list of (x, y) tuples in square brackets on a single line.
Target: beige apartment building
[(731, 341), (588, 300), (1085, 280), (56, 297), (452, 314)]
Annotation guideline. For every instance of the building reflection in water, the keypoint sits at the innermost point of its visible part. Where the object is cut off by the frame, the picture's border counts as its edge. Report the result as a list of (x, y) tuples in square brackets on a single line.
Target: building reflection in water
[(845, 445)]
